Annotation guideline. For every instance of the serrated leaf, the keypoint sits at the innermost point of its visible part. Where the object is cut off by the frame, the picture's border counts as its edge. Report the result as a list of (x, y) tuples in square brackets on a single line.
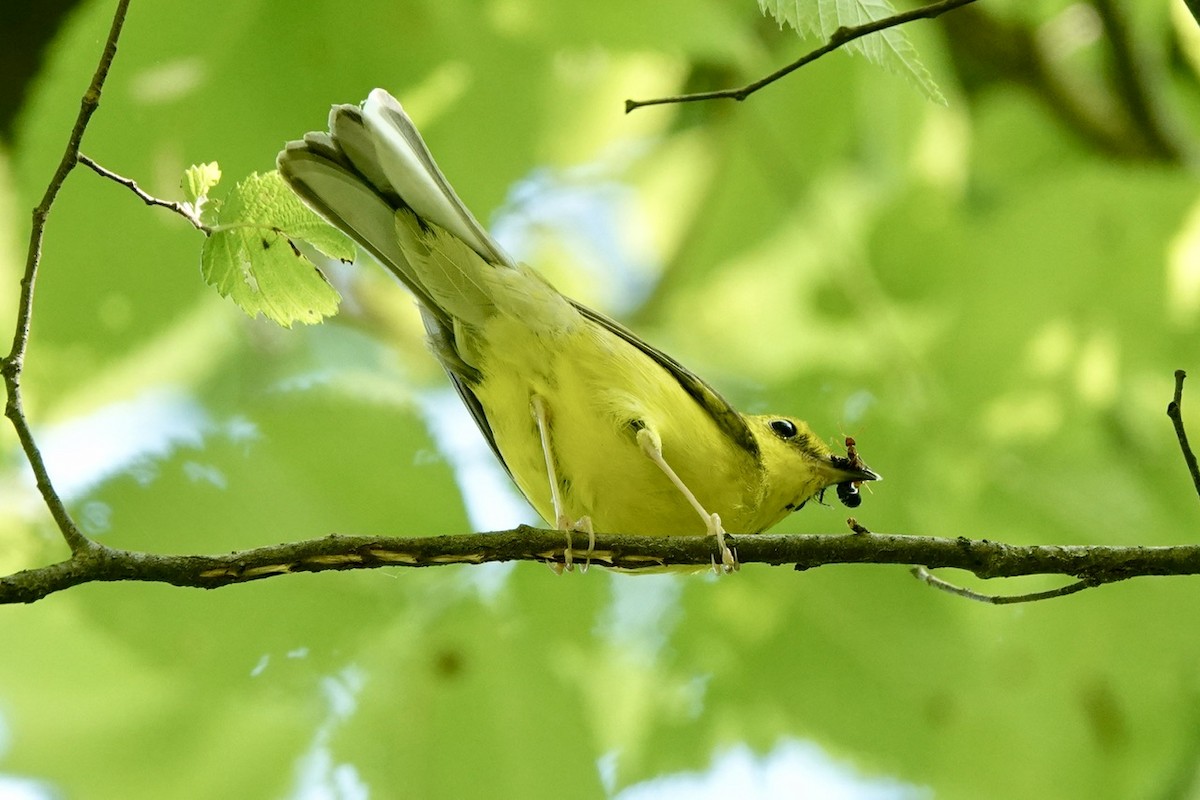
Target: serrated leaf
[(251, 258), (890, 48), (198, 181)]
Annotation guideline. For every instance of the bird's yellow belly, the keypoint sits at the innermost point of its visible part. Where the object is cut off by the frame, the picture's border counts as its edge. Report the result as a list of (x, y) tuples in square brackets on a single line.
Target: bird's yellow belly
[(595, 386)]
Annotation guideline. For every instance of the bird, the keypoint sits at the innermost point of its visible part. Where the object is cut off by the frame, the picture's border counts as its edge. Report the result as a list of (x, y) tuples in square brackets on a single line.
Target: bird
[(600, 430)]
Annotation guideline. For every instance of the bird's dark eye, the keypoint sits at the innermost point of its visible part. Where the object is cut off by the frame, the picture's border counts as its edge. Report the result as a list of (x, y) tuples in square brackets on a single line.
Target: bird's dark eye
[(784, 428)]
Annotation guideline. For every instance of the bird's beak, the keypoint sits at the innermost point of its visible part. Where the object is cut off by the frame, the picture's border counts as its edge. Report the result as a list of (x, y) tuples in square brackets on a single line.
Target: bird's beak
[(860, 473), (847, 472), (841, 470)]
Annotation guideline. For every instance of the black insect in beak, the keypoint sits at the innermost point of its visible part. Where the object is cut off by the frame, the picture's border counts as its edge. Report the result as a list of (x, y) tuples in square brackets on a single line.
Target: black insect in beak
[(856, 472)]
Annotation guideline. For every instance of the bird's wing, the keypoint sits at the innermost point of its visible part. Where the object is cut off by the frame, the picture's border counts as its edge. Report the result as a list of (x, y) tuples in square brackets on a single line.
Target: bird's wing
[(441, 342), (732, 423)]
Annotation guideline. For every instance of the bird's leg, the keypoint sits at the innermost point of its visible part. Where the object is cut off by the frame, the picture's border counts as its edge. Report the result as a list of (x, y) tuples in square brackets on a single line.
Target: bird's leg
[(651, 445), (561, 521)]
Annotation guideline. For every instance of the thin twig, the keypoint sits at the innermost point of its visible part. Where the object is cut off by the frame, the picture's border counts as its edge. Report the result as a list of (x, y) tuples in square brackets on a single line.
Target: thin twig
[(182, 209), (13, 363), (925, 576), (1175, 412), (841, 36)]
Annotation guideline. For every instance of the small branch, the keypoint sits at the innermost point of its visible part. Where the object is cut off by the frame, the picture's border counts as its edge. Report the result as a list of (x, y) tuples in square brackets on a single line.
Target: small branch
[(182, 209), (14, 362), (840, 37), (925, 576), (1175, 412), (1091, 565)]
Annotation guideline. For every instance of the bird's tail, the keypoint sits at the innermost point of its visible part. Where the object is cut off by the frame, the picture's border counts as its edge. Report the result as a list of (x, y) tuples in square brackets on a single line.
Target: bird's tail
[(374, 179)]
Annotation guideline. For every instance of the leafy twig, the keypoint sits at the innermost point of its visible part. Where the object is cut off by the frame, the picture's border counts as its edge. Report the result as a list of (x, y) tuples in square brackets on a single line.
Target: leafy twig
[(129, 183), (12, 364), (1175, 412), (839, 38)]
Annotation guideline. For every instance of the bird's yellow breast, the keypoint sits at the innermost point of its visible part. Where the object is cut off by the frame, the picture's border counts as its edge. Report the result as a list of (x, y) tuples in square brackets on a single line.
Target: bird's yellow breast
[(597, 389)]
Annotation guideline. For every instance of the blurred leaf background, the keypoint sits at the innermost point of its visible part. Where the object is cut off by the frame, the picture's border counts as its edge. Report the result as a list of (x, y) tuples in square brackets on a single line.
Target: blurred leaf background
[(990, 295)]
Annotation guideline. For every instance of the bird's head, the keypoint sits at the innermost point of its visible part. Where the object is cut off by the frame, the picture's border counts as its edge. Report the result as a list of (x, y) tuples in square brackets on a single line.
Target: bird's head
[(800, 466)]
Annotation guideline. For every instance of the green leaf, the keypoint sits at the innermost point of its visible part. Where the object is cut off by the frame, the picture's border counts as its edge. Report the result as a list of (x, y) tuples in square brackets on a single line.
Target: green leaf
[(252, 258), (889, 48), (199, 180)]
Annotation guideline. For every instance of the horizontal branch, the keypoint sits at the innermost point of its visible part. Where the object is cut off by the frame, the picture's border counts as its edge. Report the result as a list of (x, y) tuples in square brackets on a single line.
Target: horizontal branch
[(1094, 565)]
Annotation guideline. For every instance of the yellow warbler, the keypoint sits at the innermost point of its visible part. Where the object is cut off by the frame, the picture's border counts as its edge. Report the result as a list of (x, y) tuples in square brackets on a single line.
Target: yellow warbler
[(600, 430)]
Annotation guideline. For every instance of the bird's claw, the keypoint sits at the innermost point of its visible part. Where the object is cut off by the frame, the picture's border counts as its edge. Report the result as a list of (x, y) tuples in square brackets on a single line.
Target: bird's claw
[(582, 525), (729, 561)]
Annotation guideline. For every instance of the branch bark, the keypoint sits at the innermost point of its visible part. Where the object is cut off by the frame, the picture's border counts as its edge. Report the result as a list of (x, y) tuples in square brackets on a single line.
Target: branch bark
[(1093, 565), (1175, 413), (13, 363), (147, 198)]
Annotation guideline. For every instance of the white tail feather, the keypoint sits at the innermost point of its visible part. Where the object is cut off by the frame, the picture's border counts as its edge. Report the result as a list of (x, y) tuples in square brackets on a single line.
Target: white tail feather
[(402, 156)]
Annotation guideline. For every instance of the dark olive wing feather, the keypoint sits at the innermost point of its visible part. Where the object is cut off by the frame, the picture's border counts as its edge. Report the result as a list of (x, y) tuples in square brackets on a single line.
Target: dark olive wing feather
[(732, 423)]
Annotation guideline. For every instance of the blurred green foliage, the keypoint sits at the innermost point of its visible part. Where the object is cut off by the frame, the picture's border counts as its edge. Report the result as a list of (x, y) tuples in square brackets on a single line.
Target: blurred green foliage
[(991, 296)]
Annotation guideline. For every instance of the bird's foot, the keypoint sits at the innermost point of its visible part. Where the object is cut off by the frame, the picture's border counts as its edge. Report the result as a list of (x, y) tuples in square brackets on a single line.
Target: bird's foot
[(581, 525), (729, 562)]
